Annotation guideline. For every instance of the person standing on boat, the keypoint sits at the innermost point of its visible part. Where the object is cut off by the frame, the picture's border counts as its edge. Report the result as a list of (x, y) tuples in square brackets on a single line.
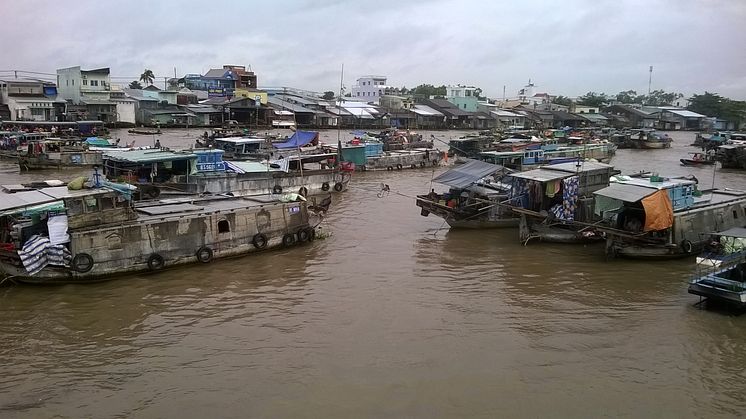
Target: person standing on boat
[(158, 143)]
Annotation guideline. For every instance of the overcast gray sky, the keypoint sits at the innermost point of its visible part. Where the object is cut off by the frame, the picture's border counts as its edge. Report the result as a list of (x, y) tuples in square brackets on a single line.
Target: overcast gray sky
[(566, 47)]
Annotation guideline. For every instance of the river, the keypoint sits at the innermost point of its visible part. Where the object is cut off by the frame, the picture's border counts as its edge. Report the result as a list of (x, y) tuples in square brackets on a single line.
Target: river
[(391, 315)]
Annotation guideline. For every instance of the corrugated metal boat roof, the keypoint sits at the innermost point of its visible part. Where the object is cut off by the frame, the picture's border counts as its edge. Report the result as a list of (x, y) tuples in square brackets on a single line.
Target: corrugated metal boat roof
[(626, 192), (543, 175), (147, 156)]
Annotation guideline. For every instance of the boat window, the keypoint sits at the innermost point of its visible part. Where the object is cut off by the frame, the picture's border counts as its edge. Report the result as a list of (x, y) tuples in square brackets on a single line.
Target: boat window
[(107, 203), (74, 206), (224, 226), (91, 204)]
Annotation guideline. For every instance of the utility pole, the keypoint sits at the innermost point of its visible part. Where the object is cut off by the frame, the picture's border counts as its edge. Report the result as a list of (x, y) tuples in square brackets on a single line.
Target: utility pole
[(650, 79), (503, 94)]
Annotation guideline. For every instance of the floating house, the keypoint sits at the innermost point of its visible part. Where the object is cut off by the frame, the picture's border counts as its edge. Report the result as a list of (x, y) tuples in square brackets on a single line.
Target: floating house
[(664, 218)]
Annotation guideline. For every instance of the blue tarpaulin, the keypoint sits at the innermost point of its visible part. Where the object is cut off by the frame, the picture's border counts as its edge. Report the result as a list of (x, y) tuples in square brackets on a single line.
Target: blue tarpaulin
[(299, 139)]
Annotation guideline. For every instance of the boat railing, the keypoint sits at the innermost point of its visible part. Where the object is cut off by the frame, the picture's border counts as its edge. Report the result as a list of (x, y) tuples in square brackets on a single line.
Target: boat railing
[(711, 266)]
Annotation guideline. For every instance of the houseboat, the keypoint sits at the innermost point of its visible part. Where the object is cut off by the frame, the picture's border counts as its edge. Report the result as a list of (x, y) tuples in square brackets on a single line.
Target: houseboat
[(475, 198), (203, 171), (53, 235), (531, 158), (555, 202), (732, 156), (59, 153), (664, 218), (720, 274), (370, 155)]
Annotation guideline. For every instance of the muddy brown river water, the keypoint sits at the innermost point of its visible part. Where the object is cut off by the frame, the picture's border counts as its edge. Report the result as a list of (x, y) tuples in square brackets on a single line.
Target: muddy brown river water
[(390, 316)]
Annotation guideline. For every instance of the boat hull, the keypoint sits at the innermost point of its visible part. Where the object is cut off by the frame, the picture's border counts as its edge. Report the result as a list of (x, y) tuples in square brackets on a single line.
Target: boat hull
[(406, 159), (156, 242), (556, 233)]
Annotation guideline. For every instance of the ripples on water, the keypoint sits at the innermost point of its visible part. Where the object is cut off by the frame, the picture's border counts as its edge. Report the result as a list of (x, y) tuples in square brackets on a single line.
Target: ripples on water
[(391, 316)]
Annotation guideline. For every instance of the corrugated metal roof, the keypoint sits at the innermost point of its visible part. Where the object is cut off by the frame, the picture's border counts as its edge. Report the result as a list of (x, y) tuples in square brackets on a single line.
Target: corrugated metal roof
[(585, 166), (625, 192), (425, 110), (686, 114), (147, 156), (467, 173), (542, 175)]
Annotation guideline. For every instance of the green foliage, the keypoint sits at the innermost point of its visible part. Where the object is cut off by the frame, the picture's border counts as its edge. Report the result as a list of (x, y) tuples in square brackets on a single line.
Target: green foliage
[(135, 85), (427, 90), (593, 99), (147, 77), (660, 98), (712, 104), (562, 100), (629, 96), (328, 95)]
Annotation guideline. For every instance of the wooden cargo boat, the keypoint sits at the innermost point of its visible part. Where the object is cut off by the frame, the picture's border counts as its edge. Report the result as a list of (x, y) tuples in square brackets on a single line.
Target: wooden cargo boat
[(60, 153), (203, 171), (532, 158), (664, 218), (475, 198), (53, 235)]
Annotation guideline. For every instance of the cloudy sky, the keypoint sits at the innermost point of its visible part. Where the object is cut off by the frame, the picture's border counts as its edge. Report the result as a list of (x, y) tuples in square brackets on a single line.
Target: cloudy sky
[(566, 47)]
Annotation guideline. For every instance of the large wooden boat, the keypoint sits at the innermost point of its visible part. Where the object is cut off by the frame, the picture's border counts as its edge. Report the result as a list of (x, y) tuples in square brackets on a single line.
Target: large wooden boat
[(54, 234), (203, 171), (60, 153), (532, 158), (664, 218), (474, 200), (556, 201)]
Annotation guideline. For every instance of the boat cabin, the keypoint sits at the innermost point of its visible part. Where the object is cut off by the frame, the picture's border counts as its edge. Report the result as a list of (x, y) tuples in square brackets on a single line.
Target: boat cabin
[(154, 165), (243, 147), (564, 190)]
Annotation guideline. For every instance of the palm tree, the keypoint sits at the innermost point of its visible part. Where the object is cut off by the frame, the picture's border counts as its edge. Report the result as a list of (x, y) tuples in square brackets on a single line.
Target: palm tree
[(147, 77)]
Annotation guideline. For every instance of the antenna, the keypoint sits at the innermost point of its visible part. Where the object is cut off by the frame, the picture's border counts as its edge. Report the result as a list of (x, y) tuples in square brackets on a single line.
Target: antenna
[(650, 79)]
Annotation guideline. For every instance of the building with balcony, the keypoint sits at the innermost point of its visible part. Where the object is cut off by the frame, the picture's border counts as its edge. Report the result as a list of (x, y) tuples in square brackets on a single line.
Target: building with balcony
[(30, 100), (220, 82), (87, 92), (369, 88), (463, 97)]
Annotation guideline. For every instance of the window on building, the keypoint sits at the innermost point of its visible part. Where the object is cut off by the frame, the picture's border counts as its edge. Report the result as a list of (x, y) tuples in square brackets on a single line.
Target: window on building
[(73, 82), (358, 93), (85, 82), (94, 82), (67, 82), (224, 226)]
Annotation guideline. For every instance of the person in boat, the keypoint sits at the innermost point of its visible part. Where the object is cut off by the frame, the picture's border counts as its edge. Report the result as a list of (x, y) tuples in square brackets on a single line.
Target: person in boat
[(697, 157), (158, 143)]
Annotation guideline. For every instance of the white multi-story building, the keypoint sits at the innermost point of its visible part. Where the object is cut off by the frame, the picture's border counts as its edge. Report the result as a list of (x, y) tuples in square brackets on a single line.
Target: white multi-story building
[(30, 100), (87, 88), (369, 88)]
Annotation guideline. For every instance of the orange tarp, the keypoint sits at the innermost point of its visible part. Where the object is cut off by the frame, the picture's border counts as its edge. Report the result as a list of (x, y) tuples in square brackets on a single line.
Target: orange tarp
[(658, 211)]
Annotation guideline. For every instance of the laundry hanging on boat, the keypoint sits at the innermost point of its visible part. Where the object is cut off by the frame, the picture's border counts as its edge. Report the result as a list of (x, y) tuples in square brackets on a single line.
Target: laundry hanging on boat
[(37, 253), (569, 200), (57, 226), (658, 211), (552, 187)]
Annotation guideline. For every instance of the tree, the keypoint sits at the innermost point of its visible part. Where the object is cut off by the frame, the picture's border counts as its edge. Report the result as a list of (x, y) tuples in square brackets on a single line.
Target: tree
[(593, 99), (628, 96), (660, 98), (136, 85), (428, 90), (712, 104), (403, 90), (147, 77), (328, 95), (562, 100), (478, 94)]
